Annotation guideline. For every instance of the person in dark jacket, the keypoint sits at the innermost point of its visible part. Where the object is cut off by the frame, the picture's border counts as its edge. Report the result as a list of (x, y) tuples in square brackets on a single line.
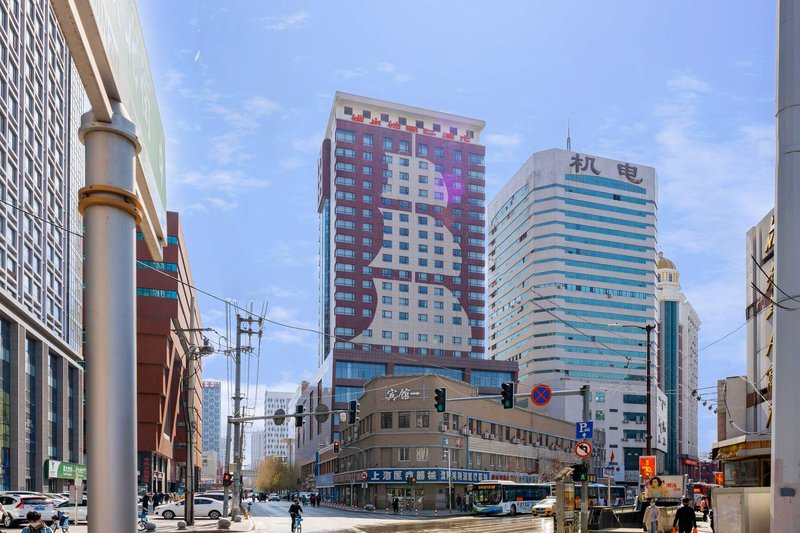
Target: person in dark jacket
[(295, 510), (685, 520)]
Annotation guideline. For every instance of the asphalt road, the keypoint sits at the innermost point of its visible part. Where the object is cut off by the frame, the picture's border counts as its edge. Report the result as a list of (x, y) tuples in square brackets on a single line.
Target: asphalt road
[(274, 517)]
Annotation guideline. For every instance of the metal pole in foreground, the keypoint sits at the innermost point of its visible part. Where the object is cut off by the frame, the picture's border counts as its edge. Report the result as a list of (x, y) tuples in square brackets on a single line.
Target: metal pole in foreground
[(586, 394), (649, 437), (226, 466), (237, 428), (111, 213), (785, 371)]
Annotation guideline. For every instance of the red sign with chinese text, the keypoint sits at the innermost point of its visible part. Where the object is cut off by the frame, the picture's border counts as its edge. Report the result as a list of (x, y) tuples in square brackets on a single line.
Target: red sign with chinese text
[(448, 136), (647, 467), (375, 122), (412, 129), (426, 131), (394, 125), (357, 118)]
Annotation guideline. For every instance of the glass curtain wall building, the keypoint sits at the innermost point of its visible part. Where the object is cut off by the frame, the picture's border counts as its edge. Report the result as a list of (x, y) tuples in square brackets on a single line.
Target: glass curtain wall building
[(41, 271), (571, 258)]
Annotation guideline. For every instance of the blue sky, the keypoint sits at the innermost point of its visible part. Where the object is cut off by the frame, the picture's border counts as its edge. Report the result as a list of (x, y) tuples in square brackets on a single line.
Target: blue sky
[(245, 89)]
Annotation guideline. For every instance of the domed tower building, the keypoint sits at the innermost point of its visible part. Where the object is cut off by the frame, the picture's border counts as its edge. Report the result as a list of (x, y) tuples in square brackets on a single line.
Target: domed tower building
[(678, 330)]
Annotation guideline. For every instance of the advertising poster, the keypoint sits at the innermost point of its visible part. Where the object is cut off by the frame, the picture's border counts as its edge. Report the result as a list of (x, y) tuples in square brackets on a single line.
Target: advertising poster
[(664, 487)]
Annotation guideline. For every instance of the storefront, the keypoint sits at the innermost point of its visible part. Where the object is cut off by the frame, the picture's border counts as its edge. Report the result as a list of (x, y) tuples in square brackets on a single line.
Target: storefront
[(419, 488)]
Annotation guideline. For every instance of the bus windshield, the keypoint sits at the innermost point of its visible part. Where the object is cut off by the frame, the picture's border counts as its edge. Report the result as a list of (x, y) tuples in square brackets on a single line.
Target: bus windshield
[(488, 495)]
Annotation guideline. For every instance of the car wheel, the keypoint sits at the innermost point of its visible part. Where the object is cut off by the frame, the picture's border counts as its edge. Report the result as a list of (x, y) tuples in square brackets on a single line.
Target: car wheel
[(7, 521), (214, 515), (169, 515), (513, 510)]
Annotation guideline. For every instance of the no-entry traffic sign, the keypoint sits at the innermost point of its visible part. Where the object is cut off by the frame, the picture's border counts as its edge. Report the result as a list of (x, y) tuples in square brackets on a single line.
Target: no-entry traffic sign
[(583, 449), (541, 394)]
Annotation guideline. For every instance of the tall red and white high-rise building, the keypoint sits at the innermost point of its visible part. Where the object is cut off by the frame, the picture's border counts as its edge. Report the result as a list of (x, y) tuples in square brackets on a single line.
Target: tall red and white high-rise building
[(402, 251)]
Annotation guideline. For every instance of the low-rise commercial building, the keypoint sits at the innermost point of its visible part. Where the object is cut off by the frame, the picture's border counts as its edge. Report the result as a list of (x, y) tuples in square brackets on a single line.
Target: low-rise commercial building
[(399, 435)]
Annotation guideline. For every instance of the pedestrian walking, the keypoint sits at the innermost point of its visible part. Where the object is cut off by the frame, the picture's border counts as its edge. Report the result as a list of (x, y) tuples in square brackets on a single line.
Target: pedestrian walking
[(704, 508), (459, 503), (650, 520), (685, 521), (396, 505), (146, 502)]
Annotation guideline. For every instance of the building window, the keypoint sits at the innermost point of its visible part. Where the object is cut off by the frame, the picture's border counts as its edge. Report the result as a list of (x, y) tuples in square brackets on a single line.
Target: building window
[(600, 397), (599, 415), (5, 404), (423, 419), (157, 293), (386, 420), (403, 454), (404, 419)]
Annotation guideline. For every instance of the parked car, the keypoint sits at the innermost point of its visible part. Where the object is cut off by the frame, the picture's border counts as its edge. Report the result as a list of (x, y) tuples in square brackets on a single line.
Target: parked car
[(546, 507), (69, 509), (203, 506), (274, 497), (213, 495), (19, 505)]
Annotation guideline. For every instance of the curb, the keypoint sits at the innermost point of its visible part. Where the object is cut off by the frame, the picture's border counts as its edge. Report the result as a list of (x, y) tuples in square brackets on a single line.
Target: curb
[(249, 520)]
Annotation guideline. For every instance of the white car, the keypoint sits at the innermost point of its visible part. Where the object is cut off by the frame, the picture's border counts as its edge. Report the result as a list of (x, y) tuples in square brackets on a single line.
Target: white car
[(202, 507), (69, 509), (274, 497), (19, 505)]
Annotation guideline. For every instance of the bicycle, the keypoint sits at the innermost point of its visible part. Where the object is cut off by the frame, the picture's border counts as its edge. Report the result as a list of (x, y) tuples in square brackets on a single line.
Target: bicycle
[(298, 524), (61, 523), (143, 521)]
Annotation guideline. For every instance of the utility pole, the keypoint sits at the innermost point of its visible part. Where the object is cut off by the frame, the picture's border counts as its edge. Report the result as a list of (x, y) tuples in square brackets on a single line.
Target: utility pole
[(785, 370), (238, 437), (227, 467), (648, 328), (587, 395), (237, 404)]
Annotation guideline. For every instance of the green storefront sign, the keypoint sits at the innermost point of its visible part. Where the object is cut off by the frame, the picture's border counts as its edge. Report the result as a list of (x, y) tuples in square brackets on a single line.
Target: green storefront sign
[(63, 470)]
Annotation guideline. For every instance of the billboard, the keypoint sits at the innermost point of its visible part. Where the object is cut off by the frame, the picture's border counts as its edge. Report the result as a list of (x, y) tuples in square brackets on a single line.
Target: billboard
[(664, 487), (106, 43)]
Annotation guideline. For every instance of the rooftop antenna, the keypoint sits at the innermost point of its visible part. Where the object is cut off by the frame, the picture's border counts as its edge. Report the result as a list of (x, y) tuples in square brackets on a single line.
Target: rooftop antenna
[(569, 140)]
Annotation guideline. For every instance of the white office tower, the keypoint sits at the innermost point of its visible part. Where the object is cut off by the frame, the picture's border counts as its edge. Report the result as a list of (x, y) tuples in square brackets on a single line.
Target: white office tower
[(275, 436), (572, 249)]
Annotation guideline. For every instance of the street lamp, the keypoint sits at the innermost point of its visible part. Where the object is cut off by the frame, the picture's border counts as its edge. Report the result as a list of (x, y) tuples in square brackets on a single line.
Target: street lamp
[(648, 328)]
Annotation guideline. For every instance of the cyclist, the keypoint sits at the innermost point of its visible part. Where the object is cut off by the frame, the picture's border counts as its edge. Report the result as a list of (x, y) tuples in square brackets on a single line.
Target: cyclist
[(295, 510)]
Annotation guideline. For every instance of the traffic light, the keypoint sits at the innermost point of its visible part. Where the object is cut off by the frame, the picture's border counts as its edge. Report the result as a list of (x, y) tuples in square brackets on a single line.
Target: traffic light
[(298, 420), (507, 395), (337, 446), (441, 400), (352, 412), (411, 480), (579, 473), (227, 479)]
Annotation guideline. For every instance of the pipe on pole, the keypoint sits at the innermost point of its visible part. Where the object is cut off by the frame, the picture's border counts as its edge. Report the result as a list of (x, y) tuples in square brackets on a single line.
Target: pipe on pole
[(110, 311)]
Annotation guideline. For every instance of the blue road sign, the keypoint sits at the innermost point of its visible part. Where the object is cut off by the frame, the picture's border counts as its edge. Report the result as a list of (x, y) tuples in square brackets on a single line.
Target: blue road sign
[(541, 394), (584, 430)]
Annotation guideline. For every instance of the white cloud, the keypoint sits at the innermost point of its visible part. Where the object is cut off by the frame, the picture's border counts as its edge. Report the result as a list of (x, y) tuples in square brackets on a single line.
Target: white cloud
[(286, 22), (310, 144), (688, 85), (173, 79), (229, 181), (222, 204), (504, 140), (261, 106), (385, 67), (291, 163)]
